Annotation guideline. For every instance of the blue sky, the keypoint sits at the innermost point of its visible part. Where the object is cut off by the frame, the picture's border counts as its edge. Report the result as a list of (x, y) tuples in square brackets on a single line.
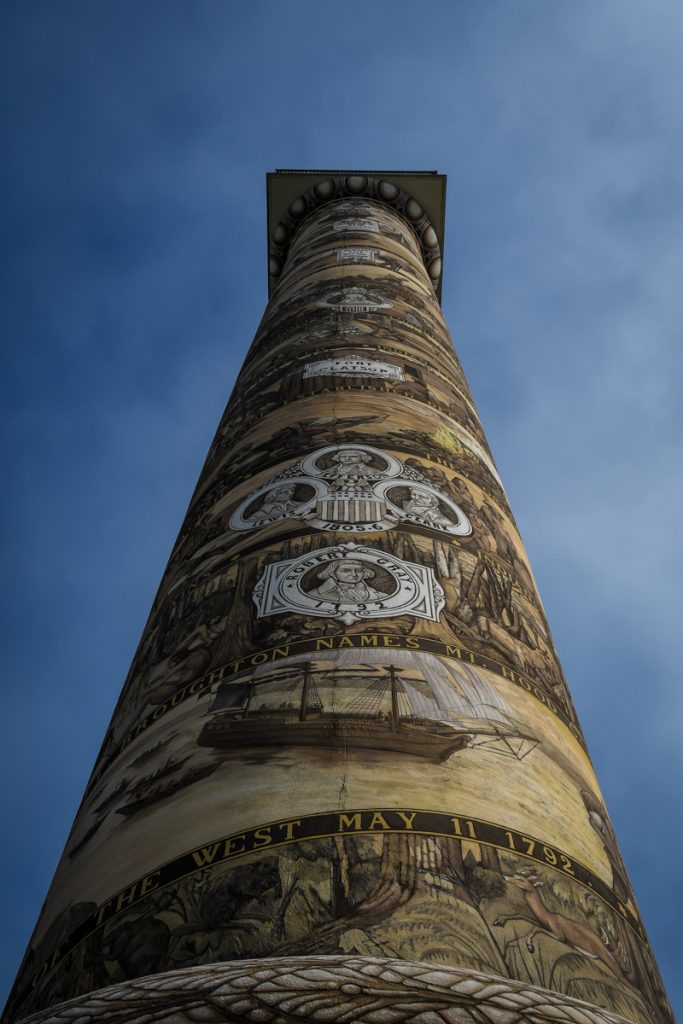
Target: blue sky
[(136, 139)]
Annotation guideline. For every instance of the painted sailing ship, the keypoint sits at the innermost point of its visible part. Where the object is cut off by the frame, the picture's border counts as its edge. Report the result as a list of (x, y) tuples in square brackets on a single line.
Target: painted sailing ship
[(112, 797), (149, 753), (408, 725), (151, 792), (170, 765)]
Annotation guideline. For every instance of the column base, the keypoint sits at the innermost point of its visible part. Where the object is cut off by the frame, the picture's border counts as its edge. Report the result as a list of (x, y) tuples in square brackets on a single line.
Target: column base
[(323, 990)]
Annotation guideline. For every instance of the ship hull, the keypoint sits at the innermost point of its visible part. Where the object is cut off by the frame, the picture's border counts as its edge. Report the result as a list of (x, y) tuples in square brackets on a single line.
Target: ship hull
[(434, 741)]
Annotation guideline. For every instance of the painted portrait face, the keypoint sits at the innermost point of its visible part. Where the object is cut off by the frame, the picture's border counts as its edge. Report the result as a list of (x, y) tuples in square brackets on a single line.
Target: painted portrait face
[(350, 458), (422, 497), (283, 493), (351, 572)]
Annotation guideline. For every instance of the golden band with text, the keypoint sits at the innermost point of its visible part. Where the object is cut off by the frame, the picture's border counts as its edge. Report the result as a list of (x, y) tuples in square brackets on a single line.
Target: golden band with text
[(430, 826)]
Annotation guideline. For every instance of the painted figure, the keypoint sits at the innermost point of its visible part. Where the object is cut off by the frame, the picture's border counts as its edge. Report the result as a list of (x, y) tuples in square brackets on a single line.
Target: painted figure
[(425, 506), (352, 472), (278, 504), (344, 583)]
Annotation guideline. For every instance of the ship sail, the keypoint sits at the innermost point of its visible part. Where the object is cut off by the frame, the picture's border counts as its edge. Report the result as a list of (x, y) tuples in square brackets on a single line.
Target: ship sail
[(453, 692), (469, 694), (398, 688), (269, 690), (231, 696), (459, 692)]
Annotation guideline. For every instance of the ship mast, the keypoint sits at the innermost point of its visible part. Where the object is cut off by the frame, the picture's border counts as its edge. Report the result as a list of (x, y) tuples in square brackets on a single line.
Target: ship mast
[(395, 714), (250, 697), (303, 707)]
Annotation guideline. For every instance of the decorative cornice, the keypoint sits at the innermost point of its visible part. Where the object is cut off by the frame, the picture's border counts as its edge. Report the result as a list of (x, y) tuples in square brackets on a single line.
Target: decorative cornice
[(324, 990), (359, 186)]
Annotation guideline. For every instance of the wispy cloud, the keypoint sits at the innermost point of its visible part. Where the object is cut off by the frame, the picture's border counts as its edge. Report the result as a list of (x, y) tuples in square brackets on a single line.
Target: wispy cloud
[(136, 145)]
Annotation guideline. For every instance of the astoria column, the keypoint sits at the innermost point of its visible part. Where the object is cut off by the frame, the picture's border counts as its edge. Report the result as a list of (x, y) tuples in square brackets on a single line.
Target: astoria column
[(345, 780)]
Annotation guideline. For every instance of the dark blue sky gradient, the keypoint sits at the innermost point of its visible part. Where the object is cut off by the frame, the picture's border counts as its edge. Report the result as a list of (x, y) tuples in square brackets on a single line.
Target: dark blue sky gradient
[(136, 138)]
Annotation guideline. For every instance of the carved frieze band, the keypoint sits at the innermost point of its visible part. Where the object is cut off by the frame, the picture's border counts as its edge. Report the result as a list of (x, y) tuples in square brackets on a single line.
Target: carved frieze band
[(530, 859), (366, 641)]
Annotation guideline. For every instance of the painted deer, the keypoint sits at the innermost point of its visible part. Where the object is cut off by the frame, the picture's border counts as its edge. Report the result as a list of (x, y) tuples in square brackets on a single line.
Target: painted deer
[(579, 936)]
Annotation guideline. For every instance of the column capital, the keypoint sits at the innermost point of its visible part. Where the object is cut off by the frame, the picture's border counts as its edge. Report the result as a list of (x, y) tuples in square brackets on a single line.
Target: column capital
[(419, 196)]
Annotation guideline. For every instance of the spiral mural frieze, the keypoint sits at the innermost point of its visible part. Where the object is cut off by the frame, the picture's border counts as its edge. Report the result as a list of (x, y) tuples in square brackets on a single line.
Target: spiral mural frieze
[(345, 779)]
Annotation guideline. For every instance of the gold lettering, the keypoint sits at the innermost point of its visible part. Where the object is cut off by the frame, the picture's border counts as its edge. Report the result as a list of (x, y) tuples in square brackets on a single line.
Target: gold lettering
[(206, 855), (281, 652), (231, 848), (349, 821), (408, 819), (457, 828), (368, 640), (346, 641), (324, 644), (125, 898), (262, 837), (258, 659), (102, 911), (289, 827), (412, 644), (378, 819), (453, 652), (149, 883), (391, 641)]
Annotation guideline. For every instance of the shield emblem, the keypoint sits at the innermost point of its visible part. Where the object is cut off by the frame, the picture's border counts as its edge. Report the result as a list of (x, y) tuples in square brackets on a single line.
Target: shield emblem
[(351, 510)]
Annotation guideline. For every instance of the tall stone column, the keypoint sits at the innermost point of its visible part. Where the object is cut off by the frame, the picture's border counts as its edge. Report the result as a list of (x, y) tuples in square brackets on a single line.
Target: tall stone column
[(345, 780)]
